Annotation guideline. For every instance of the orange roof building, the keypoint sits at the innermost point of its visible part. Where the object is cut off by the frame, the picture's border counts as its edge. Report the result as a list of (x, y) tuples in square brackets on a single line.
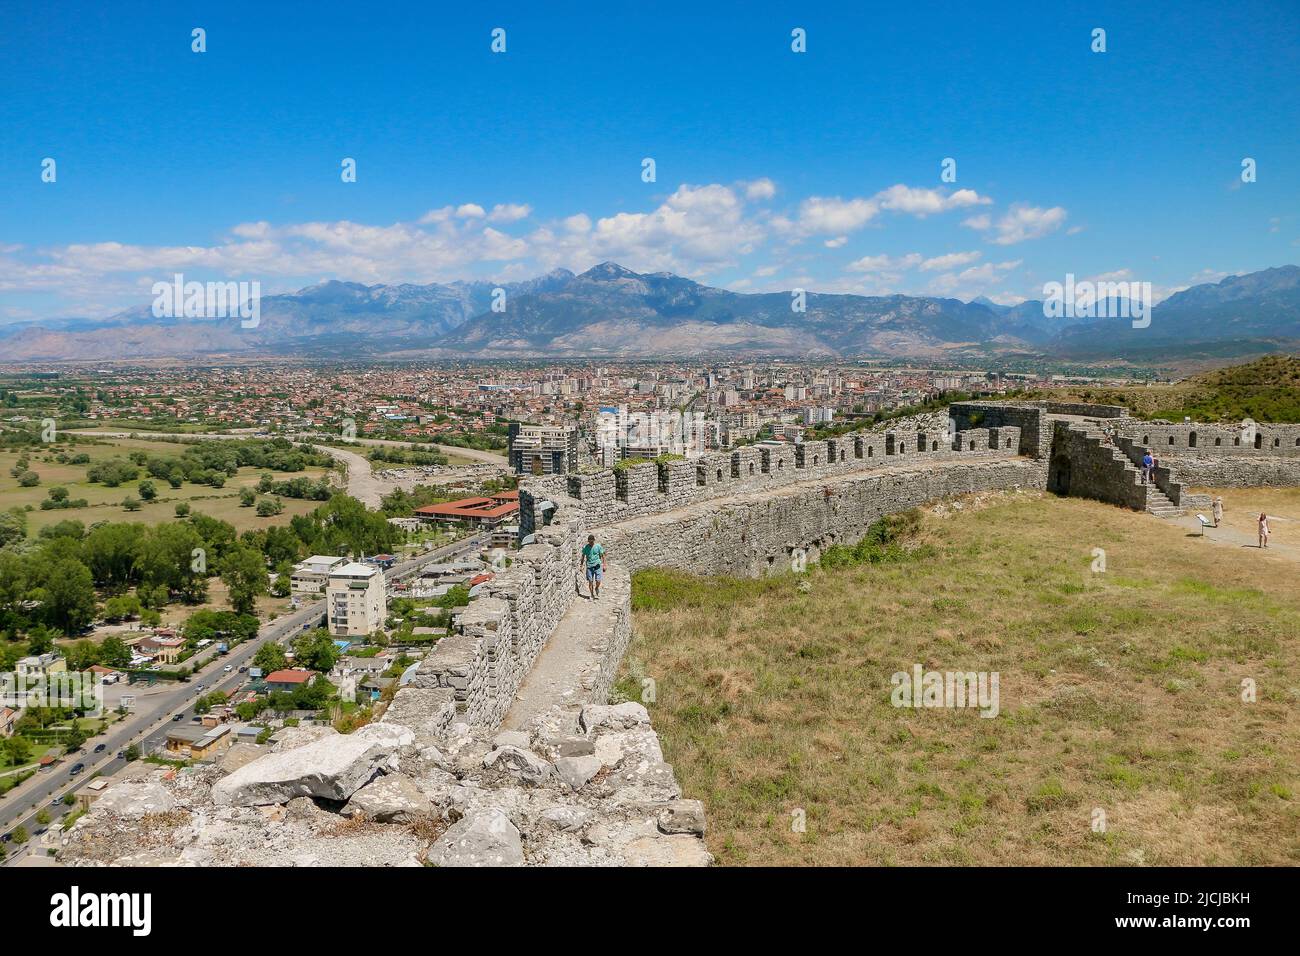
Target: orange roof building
[(485, 512)]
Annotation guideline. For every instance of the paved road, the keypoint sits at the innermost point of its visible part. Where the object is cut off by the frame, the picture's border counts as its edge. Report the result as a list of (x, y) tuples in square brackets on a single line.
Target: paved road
[(153, 715)]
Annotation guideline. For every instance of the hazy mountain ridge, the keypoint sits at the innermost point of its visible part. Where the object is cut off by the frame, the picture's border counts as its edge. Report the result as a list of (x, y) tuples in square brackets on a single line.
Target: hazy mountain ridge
[(612, 311)]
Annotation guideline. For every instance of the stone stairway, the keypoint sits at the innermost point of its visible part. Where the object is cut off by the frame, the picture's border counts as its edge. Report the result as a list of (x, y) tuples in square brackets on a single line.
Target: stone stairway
[(1158, 503), (1125, 458)]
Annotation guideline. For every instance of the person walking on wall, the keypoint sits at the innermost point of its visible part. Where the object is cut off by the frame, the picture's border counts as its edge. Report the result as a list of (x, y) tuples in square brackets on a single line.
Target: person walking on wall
[(593, 560), (1147, 464), (1218, 510), (1263, 530)]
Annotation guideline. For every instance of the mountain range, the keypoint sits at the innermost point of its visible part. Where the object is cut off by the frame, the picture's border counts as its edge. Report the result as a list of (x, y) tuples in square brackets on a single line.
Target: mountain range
[(613, 312)]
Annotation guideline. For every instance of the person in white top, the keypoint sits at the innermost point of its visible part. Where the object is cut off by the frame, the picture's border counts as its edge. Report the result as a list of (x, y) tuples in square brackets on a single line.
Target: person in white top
[(1218, 511), (1263, 530)]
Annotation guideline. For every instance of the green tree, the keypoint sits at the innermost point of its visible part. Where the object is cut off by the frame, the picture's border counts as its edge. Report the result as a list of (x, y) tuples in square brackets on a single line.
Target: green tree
[(69, 597), (147, 490), (247, 496), (182, 509), (316, 650), (243, 571), (270, 657), (114, 652)]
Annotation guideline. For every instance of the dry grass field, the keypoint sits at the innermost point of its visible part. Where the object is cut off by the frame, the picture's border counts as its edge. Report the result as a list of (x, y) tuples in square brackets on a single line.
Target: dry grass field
[(105, 504), (1120, 692)]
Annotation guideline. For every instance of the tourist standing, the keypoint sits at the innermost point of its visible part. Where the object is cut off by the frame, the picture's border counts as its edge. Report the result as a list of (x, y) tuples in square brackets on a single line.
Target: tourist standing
[(1218, 510), (593, 560), (1263, 530), (1147, 464)]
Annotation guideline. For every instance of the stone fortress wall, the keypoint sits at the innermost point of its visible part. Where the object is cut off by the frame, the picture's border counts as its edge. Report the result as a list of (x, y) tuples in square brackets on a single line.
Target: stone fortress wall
[(1191, 453)]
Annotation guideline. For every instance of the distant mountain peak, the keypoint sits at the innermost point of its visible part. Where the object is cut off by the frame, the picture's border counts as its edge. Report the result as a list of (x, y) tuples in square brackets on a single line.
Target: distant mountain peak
[(609, 270)]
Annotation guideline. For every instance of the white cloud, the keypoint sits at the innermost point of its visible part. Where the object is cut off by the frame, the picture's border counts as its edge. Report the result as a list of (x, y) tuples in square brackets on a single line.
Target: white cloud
[(950, 261), (833, 215), (924, 202), (1024, 222), (836, 242), (980, 222), (884, 263), (509, 212), (470, 210), (759, 189)]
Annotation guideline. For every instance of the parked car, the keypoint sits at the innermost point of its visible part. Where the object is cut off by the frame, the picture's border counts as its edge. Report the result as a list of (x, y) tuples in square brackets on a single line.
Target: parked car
[(178, 717), (56, 801), (78, 768), (228, 668), (100, 748), (121, 755), (243, 670), (6, 838)]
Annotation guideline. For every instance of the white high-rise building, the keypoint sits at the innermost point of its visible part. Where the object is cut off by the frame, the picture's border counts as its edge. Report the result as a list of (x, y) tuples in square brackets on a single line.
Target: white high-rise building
[(356, 601)]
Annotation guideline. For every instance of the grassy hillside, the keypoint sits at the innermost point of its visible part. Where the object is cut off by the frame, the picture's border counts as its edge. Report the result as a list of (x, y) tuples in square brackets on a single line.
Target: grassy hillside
[(1267, 390), (1120, 691)]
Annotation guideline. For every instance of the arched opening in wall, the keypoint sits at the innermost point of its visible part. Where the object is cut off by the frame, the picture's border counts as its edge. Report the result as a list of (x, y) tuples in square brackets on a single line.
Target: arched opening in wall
[(699, 476), (780, 463), (902, 448), (751, 467), (1277, 443), (1236, 441), (1008, 442), (889, 444), (971, 447), (1218, 441), (920, 441), (934, 446), (1146, 439), (1058, 475), (843, 454), (1191, 439), (815, 461), (1259, 440), (1171, 439), (871, 450), (1297, 442), (719, 474)]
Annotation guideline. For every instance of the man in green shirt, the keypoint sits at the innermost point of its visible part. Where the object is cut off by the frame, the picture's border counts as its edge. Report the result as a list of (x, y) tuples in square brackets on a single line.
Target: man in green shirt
[(593, 559)]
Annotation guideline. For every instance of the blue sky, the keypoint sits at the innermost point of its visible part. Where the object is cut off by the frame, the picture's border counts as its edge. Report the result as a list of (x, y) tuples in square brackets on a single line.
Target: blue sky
[(774, 169)]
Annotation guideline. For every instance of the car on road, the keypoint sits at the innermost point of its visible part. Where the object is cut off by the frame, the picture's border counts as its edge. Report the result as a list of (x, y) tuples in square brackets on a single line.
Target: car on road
[(178, 717), (6, 838), (100, 748), (56, 801), (228, 668), (78, 768), (243, 670), (121, 755)]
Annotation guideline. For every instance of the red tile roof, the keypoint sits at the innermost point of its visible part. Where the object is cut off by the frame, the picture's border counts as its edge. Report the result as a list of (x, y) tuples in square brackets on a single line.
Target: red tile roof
[(292, 676), (493, 506)]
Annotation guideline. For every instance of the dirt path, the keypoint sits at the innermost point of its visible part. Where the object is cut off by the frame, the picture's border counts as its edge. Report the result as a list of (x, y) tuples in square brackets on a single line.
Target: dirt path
[(566, 666), (1284, 542)]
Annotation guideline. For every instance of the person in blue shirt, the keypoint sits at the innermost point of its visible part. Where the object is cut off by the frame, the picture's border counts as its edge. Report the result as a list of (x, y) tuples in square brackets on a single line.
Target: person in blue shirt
[(593, 559), (1148, 464)]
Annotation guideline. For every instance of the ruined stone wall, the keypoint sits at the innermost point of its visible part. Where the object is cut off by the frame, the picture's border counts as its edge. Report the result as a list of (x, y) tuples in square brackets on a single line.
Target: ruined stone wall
[(478, 668), (1082, 466), (1233, 471), (614, 496), (1215, 441), (760, 532)]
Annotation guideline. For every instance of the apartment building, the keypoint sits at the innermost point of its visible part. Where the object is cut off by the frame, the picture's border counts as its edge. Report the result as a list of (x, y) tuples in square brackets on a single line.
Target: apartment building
[(356, 600), (543, 449), (310, 576)]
